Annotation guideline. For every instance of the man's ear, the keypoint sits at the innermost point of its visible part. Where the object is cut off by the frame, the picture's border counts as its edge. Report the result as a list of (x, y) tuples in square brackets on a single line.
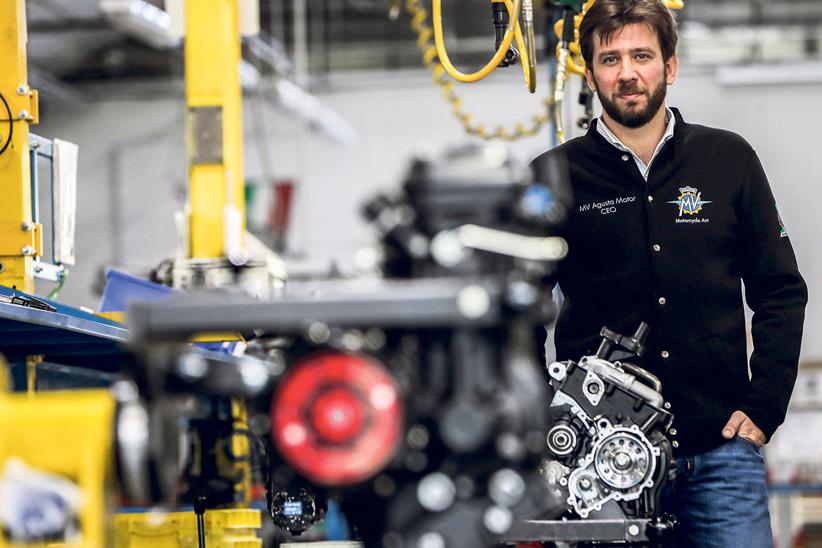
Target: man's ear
[(671, 69), (589, 77)]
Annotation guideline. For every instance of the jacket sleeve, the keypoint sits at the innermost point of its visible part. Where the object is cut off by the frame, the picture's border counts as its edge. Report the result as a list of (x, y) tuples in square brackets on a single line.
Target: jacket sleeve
[(777, 295), (552, 170)]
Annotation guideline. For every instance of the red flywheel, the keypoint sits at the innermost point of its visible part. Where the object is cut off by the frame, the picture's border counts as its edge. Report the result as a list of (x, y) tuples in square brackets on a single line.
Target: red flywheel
[(337, 418)]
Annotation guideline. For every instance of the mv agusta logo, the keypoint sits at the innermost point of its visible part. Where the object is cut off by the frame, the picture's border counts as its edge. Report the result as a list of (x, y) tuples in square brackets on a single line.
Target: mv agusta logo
[(690, 202)]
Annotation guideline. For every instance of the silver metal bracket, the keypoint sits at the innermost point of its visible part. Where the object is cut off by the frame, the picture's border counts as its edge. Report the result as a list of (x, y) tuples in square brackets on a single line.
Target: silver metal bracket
[(206, 134)]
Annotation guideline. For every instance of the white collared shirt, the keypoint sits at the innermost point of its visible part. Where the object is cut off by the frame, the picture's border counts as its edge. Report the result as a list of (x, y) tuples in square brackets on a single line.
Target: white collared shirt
[(614, 140)]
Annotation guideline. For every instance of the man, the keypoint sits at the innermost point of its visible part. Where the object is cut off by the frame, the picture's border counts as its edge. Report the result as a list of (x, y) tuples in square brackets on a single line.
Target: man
[(670, 218)]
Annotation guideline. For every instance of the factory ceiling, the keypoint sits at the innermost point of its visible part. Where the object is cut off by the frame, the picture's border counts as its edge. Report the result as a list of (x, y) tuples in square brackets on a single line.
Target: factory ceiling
[(72, 42)]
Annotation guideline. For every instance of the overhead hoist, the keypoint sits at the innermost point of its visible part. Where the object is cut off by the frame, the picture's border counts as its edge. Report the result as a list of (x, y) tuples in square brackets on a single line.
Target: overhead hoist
[(513, 22)]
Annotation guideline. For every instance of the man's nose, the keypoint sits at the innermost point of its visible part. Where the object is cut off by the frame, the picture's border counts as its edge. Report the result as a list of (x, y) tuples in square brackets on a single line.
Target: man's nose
[(627, 69)]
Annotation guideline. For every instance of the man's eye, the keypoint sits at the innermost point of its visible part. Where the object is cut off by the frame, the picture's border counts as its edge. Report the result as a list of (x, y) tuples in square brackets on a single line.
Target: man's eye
[(609, 60), (643, 56)]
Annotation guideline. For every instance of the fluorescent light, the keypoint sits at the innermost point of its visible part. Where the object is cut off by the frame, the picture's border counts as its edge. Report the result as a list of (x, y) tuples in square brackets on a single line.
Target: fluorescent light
[(301, 103), (771, 74), (140, 20)]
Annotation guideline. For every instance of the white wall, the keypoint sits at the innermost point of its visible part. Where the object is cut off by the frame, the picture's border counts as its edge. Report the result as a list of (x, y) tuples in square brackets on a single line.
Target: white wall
[(140, 143)]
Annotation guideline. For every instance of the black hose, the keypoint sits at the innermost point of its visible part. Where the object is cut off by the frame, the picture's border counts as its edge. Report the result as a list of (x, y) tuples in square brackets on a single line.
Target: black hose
[(11, 124)]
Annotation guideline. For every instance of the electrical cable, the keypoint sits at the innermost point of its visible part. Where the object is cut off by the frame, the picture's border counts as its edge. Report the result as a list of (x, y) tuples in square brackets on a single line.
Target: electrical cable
[(11, 124), (424, 33), (452, 71), (573, 58), (528, 62), (568, 36), (531, 44), (54, 293)]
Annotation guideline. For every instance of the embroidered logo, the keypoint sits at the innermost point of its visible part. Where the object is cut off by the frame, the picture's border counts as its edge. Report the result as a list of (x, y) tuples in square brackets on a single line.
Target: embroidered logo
[(689, 201)]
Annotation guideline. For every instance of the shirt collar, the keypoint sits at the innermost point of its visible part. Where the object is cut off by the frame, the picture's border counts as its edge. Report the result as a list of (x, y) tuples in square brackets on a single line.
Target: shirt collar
[(609, 136)]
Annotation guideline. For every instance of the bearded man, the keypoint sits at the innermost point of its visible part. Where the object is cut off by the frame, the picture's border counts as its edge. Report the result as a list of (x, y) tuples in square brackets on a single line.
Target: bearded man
[(670, 219)]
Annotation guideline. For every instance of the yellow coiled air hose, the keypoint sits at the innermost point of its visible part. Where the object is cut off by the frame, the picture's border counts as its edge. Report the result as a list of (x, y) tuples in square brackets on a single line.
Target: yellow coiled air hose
[(510, 31), (425, 33)]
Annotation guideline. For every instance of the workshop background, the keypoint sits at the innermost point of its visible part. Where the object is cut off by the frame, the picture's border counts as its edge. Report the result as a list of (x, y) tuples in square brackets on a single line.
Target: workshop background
[(748, 66), (336, 103)]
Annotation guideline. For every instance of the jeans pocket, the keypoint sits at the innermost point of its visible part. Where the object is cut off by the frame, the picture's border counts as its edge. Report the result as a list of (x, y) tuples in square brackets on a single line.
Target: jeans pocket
[(750, 443)]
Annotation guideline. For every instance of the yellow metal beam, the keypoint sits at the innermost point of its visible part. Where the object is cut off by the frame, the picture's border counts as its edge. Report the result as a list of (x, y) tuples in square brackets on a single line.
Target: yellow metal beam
[(19, 236), (213, 95), (67, 433), (215, 152)]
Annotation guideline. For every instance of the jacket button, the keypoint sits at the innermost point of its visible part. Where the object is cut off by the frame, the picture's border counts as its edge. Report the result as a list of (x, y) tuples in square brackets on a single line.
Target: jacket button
[(657, 247), (625, 157), (650, 199), (662, 300), (664, 354)]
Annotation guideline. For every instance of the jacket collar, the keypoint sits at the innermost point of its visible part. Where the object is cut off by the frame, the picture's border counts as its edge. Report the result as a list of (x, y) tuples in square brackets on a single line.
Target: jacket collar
[(593, 135)]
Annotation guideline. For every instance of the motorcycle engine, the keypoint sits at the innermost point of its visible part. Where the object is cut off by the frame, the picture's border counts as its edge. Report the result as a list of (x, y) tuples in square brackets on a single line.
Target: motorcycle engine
[(610, 445)]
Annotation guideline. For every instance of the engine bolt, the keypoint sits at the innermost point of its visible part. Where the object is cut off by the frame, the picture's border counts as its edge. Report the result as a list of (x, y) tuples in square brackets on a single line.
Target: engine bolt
[(436, 492), (473, 302), (418, 437), (384, 486), (352, 340), (431, 540), (633, 530), (192, 367), (585, 483), (318, 333), (622, 461), (506, 487), (498, 519)]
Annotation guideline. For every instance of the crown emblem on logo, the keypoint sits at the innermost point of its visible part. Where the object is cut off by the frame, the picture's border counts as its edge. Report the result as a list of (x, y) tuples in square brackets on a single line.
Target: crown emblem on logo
[(690, 201)]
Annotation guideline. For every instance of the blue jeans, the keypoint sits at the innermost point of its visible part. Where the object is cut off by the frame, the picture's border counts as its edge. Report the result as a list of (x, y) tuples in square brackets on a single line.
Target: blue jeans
[(721, 498)]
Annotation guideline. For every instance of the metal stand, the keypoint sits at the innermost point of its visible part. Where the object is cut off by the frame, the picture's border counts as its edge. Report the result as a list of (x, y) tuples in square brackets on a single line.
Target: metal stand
[(199, 509)]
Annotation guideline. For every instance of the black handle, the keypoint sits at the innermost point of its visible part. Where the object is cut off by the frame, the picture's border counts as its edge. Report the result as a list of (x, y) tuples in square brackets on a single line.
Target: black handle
[(634, 344)]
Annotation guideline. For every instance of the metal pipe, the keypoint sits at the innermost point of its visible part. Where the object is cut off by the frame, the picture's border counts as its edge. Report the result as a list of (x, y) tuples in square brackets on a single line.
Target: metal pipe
[(301, 71)]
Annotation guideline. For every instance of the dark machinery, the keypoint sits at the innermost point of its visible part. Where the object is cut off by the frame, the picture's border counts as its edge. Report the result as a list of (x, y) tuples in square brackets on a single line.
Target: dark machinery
[(428, 425), (418, 400), (609, 449)]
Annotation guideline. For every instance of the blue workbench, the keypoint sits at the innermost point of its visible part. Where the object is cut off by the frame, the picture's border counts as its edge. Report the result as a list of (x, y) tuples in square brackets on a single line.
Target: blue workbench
[(70, 340)]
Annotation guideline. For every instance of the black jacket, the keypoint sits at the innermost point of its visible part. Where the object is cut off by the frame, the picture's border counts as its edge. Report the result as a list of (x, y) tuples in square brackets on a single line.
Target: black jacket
[(673, 252)]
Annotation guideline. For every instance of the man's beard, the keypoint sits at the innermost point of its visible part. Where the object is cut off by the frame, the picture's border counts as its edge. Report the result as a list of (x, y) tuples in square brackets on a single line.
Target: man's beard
[(630, 117)]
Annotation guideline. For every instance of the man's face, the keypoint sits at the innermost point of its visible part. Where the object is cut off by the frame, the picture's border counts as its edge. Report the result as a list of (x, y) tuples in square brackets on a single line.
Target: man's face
[(630, 76)]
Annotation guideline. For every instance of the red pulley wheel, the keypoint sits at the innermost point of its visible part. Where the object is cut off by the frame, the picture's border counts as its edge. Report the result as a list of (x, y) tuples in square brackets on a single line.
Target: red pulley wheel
[(337, 418)]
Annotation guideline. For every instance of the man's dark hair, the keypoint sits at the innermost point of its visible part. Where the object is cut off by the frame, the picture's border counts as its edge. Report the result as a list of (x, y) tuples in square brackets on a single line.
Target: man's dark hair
[(607, 17)]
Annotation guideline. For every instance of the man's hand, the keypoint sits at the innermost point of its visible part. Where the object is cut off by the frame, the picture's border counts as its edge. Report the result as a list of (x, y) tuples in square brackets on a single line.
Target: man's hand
[(740, 425)]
